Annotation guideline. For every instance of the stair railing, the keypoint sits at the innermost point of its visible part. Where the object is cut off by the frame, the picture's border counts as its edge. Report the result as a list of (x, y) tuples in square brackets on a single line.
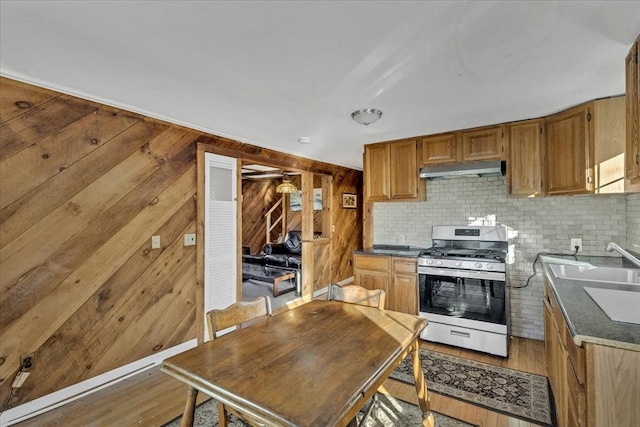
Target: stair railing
[(282, 219)]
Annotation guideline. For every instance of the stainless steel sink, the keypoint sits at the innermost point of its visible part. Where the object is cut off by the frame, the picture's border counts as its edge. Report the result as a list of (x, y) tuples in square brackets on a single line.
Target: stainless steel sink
[(597, 274)]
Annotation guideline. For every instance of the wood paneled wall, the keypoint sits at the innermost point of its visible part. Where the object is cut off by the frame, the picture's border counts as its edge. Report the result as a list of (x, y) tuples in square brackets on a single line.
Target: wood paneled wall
[(83, 187), (257, 198)]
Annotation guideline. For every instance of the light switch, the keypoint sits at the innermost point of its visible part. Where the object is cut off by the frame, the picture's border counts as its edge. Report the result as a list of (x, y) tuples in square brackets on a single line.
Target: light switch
[(155, 242)]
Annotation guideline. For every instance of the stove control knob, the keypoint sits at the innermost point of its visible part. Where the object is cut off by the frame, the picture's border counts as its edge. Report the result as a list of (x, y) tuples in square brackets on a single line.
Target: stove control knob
[(438, 262), (429, 261), (478, 265), (458, 264), (490, 266)]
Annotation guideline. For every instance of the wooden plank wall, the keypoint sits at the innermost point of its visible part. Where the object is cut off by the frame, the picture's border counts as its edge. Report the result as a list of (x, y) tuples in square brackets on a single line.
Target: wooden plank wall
[(83, 187), (257, 198)]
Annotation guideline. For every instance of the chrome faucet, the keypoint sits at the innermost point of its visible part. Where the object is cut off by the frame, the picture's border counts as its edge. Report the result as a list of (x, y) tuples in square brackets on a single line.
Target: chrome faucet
[(611, 246)]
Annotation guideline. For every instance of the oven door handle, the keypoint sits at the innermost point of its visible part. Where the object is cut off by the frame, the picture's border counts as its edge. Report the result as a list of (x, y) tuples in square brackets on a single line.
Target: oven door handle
[(430, 271)]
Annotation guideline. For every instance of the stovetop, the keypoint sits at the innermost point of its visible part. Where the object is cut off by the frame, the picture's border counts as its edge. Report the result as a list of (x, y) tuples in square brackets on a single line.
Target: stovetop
[(468, 254)]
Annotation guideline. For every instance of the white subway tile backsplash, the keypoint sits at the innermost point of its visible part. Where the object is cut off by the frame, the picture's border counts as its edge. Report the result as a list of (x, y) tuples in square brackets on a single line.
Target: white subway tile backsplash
[(633, 221), (535, 225)]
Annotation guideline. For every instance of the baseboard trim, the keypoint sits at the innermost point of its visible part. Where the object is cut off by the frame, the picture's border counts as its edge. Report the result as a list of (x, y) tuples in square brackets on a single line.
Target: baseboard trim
[(84, 388)]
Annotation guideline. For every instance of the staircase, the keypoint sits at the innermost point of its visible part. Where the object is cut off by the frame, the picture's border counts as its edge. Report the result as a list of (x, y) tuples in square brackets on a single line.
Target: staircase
[(279, 221)]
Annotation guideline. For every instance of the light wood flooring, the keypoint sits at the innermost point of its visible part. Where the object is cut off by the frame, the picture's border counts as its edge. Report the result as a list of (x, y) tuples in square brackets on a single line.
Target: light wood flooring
[(153, 398)]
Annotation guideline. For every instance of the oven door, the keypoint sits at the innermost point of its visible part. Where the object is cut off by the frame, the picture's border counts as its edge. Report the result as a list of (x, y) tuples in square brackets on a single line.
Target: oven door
[(464, 294)]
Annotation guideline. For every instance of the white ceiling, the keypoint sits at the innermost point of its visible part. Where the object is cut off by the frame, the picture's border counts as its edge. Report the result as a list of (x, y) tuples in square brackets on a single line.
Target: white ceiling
[(270, 72)]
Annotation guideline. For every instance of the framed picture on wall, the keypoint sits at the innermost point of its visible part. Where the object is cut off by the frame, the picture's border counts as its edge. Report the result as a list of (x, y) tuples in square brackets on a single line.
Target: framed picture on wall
[(349, 201), (295, 200)]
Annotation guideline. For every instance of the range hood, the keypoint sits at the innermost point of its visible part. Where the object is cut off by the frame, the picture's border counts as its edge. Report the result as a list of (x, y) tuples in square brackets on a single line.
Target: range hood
[(477, 169)]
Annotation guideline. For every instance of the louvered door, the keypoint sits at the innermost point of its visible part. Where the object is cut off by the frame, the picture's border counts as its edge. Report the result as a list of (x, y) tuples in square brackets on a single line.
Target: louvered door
[(220, 254)]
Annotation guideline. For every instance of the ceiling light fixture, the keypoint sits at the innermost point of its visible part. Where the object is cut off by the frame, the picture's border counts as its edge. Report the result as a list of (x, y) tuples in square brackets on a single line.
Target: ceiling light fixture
[(304, 140), (286, 187), (366, 116)]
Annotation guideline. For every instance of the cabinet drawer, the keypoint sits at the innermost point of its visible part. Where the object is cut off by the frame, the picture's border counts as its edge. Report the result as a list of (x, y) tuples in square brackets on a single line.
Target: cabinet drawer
[(377, 263), (464, 337), (403, 265)]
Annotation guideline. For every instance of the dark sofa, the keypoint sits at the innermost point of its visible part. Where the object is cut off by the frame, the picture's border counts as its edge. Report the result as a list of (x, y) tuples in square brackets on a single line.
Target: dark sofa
[(286, 254)]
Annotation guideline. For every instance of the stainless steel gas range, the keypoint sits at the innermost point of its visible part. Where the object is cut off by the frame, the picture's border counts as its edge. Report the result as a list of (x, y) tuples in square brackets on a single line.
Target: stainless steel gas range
[(463, 288)]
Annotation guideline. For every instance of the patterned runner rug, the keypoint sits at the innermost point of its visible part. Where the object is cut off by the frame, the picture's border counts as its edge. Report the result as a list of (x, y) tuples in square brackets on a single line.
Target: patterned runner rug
[(389, 412), (515, 393)]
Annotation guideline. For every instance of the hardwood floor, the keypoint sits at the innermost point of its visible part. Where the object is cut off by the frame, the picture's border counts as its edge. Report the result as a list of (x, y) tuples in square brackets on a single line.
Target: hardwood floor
[(153, 398)]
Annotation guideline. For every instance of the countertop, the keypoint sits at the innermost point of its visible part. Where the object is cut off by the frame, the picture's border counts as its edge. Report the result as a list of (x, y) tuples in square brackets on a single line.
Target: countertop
[(586, 321), (391, 250)]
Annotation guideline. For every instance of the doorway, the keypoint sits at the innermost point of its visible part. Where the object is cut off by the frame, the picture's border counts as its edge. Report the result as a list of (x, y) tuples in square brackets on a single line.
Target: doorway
[(287, 222)]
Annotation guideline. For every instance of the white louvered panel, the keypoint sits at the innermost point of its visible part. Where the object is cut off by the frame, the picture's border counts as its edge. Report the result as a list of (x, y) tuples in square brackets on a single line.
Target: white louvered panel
[(220, 232)]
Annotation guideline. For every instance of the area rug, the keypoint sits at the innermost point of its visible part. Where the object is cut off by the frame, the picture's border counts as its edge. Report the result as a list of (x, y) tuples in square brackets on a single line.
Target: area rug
[(514, 393), (388, 412)]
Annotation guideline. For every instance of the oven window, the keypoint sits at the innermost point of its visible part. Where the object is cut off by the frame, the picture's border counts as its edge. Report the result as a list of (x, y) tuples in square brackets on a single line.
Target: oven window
[(476, 299)]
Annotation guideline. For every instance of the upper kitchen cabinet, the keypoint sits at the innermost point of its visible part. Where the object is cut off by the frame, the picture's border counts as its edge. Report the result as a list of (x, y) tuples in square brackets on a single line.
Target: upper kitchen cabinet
[(585, 149), (607, 129), (439, 149), (377, 172), (485, 143), (633, 114), (569, 154), (470, 145), (525, 161), (391, 171)]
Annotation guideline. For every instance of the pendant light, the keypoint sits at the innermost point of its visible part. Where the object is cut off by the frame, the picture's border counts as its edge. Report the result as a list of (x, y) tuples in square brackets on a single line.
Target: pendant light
[(286, 187)]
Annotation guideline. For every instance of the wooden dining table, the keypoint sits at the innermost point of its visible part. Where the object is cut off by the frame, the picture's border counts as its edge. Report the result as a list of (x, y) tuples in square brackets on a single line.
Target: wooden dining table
[(315, 365)]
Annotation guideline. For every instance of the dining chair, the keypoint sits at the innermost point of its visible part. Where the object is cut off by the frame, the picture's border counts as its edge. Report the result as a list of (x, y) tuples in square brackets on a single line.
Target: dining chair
[(356, 294), (218, 321)]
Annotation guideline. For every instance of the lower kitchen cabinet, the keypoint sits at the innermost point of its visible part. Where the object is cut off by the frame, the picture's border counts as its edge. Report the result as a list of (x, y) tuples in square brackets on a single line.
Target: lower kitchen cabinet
[(372, 272), (397, 276), (593, 385)]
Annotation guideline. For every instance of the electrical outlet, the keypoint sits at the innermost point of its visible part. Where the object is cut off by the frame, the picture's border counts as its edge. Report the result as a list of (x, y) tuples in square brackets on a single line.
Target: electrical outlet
[(576, 242), (190, 239), (27, 362), (155, 242)]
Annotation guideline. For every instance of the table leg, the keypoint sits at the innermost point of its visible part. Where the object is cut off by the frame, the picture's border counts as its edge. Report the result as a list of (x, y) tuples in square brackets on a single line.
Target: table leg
[(421, 386), (189, 408), (277, 280), (222, 415)]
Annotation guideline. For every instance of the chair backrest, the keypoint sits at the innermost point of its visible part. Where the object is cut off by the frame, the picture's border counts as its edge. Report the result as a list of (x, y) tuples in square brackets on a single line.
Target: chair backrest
[(237, 314), (357, 295)]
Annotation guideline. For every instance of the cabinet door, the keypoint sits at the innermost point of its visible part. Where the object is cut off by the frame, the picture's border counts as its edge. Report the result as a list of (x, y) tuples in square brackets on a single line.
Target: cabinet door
[(376, 172), (439, 149), (403, 292), (483, 144), (373, 280), (633, 113), (556, 358), (404, 169), (524, 159), (576, 399), (569, 153)]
